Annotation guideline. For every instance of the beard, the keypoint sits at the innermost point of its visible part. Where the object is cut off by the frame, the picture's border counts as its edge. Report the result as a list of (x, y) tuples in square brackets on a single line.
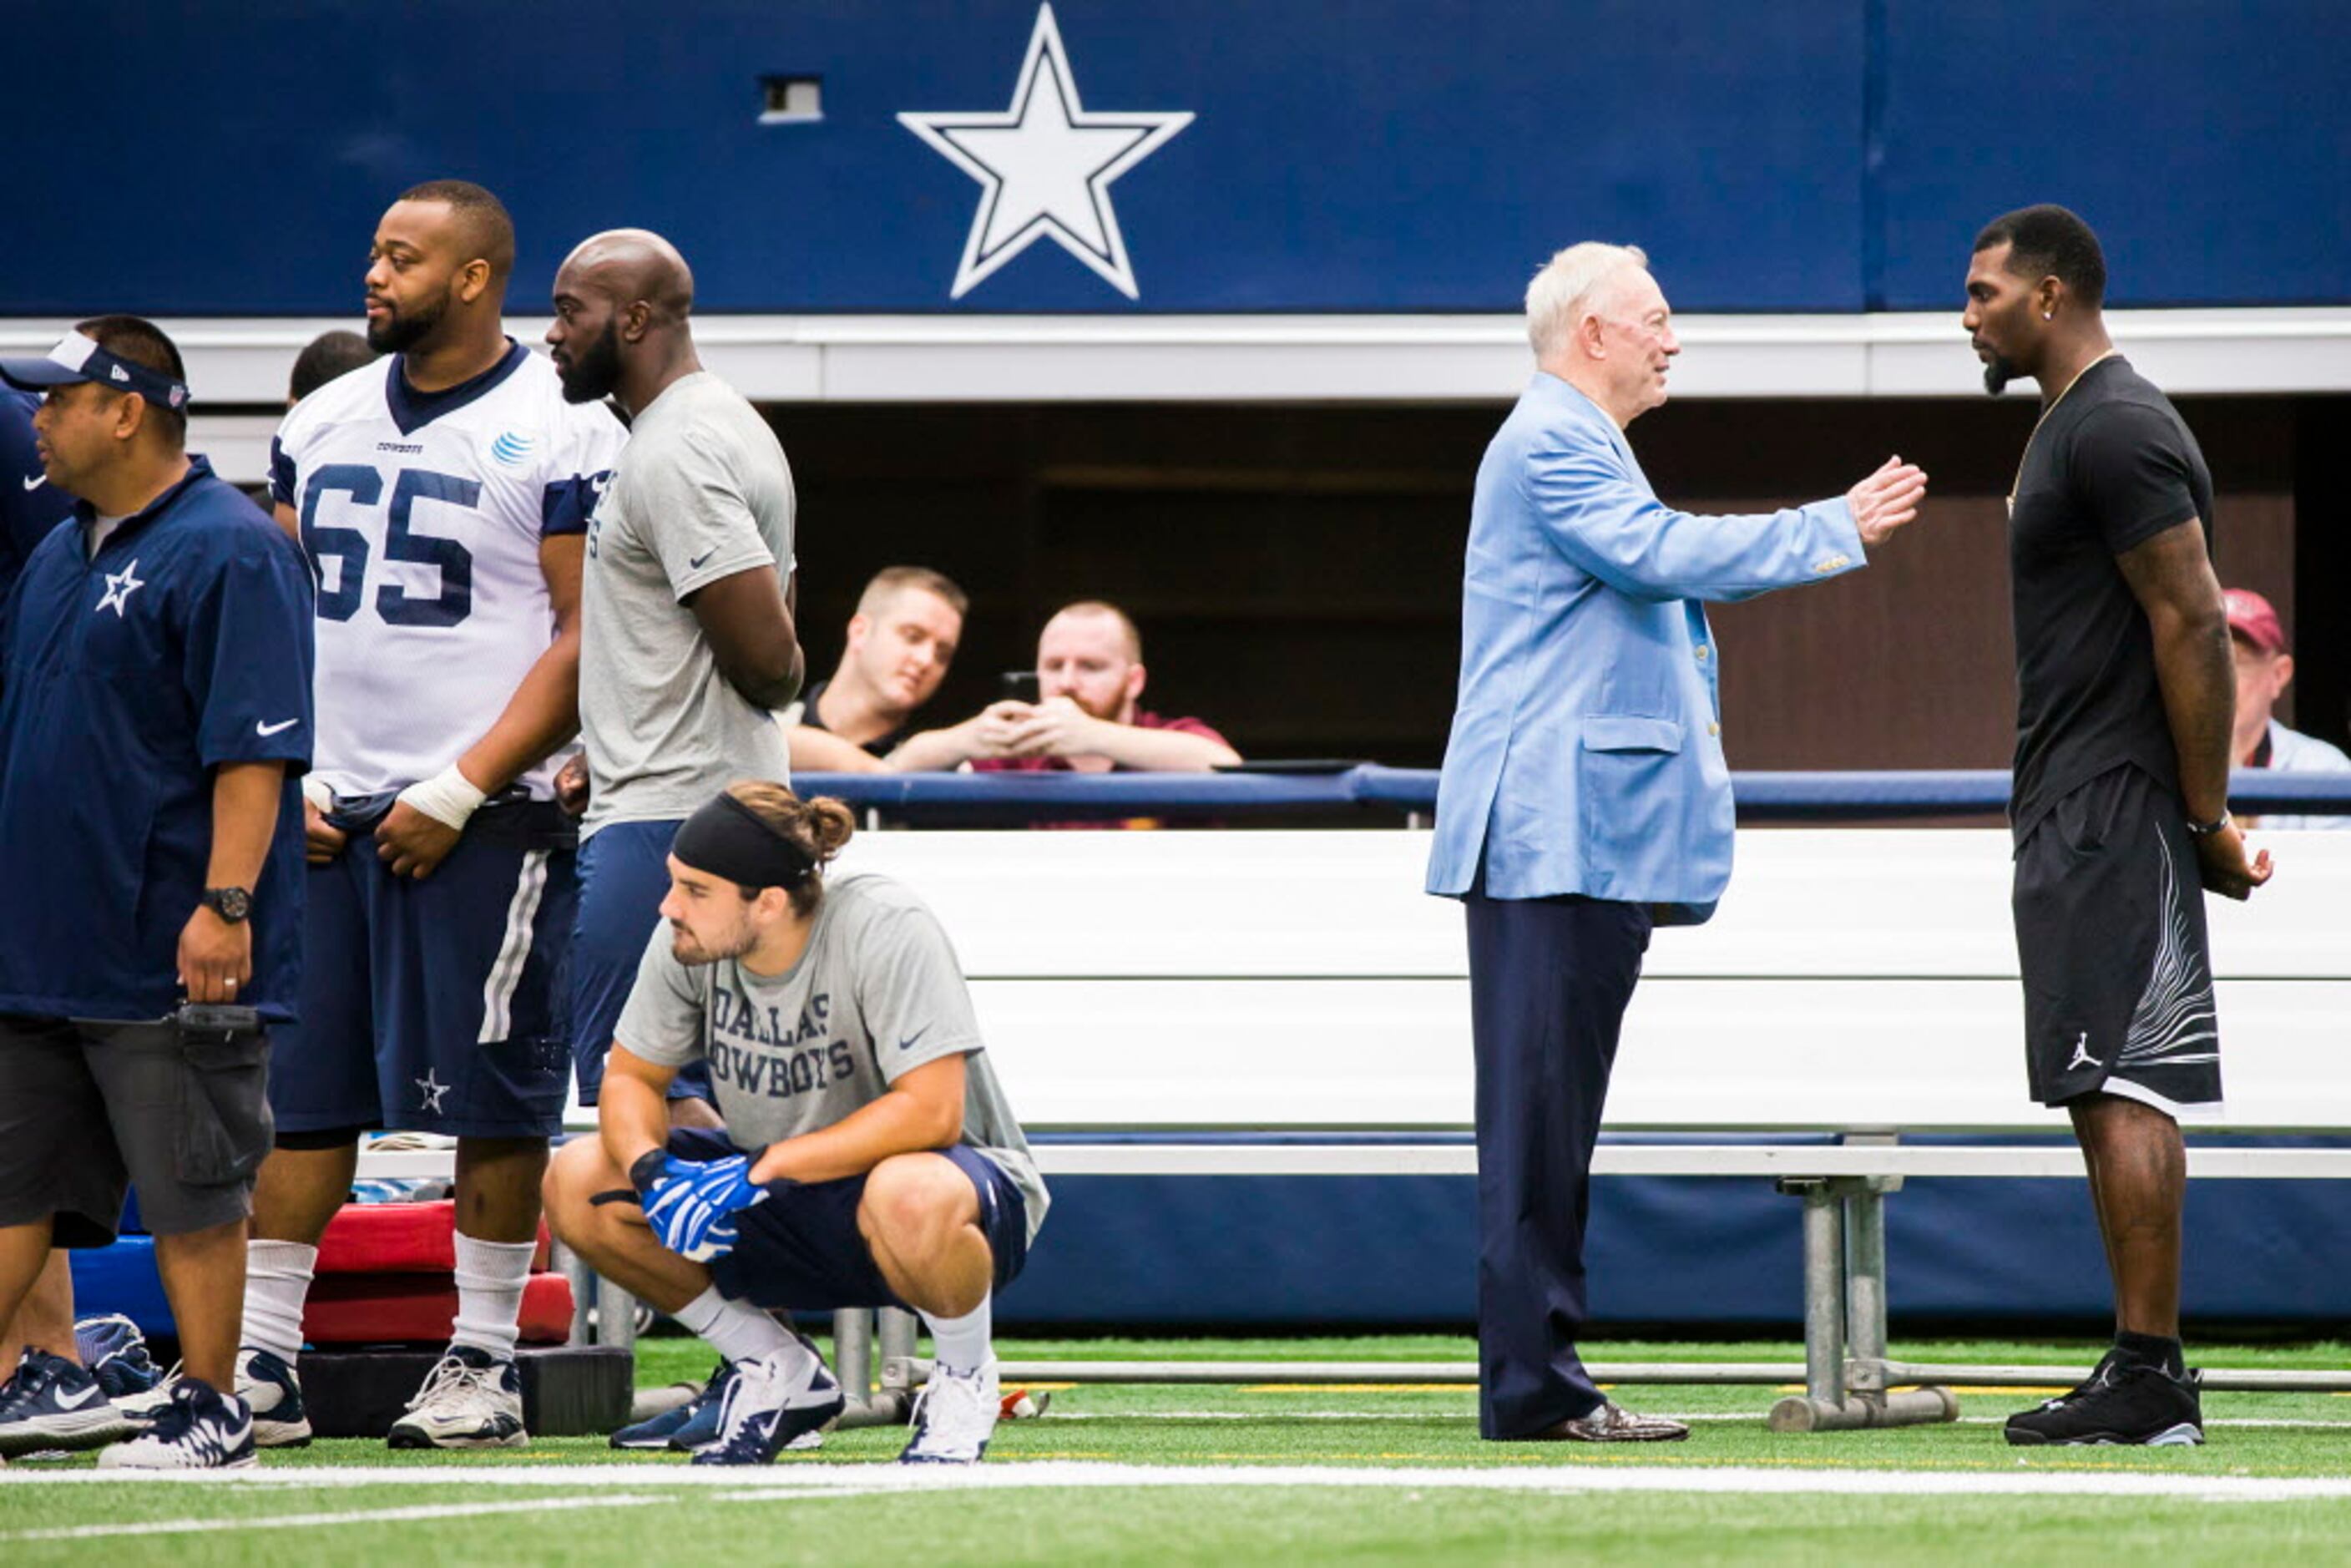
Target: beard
[(1998, 374), (689, 950), (596, 371), (404, 329)]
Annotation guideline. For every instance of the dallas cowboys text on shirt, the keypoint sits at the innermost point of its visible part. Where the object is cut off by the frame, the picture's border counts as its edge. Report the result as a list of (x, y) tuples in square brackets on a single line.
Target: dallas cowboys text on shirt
[(798, 1056)]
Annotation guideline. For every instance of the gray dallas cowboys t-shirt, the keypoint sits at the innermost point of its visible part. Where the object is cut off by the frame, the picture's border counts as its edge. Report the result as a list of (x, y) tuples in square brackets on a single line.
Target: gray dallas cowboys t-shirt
[(702, 492), (876, 994)]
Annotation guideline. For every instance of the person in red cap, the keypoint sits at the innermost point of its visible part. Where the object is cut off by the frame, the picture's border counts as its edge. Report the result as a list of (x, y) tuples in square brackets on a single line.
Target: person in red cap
[(2264, 670)]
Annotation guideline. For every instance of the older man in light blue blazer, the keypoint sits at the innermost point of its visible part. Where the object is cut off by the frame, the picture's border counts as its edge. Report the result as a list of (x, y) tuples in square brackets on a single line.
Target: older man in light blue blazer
[(1584, 794)]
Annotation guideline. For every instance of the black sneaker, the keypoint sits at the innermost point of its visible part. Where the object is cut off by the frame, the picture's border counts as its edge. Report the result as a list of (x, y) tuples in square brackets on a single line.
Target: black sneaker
[(2124, 1403)]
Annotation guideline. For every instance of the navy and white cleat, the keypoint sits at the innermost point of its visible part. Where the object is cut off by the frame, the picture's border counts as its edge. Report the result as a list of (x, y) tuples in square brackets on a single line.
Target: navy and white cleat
[(774, 1402), (269, 1388), (200, 1429), (50, 1403)]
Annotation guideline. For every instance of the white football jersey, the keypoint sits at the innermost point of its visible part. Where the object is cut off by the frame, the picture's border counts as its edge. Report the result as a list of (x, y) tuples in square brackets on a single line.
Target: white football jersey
[(421, 515)]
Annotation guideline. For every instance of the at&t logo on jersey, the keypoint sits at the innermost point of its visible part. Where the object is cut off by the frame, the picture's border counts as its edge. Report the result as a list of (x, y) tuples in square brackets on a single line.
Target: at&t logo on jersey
[(512, 449)]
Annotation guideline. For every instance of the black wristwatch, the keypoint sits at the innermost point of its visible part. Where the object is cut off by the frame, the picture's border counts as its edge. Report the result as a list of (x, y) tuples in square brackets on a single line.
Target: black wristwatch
[(2205, 829), (231, 904)]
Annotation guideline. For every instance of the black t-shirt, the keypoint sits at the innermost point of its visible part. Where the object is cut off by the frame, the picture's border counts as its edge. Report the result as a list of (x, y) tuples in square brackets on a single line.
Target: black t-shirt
[(881, 746), (2111, 466)]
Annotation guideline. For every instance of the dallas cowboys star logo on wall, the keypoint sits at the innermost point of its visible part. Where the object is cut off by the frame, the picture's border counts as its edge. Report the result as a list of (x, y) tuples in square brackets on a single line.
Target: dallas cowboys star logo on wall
[(1045, 166)]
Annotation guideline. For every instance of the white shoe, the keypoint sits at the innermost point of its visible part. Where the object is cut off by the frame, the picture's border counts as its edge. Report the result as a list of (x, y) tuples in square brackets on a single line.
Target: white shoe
[(274, 1394), (954, 1416), (198, 1430), (469, 1401), (145, 1406)]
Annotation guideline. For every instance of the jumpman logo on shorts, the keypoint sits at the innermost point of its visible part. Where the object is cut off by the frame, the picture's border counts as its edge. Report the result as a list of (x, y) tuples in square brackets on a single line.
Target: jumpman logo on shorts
[(2082, 1056)]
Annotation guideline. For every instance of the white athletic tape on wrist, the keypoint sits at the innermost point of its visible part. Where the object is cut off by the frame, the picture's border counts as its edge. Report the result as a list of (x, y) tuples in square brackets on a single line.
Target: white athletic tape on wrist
[(315, 790), (448, 797)]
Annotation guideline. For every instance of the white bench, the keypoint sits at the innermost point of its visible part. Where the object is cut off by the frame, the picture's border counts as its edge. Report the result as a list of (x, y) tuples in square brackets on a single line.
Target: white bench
[(1857, 982), (1861, 983)]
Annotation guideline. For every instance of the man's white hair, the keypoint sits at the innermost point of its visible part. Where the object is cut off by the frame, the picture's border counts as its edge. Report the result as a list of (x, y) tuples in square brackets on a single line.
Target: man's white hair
[(1571, 285)]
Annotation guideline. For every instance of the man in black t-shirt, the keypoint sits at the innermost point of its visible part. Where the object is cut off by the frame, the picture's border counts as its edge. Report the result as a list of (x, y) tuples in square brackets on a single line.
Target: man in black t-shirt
[(2125, 688), (899, 645)]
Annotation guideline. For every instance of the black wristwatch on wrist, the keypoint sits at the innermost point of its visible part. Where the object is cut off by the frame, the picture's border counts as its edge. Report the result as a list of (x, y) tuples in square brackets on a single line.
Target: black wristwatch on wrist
[(2205, 829), (231, 904)]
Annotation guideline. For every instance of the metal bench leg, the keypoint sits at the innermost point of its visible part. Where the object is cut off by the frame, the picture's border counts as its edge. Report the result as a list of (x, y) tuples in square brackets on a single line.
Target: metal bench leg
[(616, 1315), (1822, 1404), (1865, 1366), (856, 1334), (574, 1267), (1845, 1302)]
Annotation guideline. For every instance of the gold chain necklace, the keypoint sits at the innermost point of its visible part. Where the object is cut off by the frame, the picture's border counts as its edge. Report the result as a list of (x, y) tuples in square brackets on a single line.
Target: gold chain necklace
[(2016, 484)]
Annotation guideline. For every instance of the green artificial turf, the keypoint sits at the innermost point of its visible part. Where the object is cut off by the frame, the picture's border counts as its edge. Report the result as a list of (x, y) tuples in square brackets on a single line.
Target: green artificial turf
[(631, 1513)]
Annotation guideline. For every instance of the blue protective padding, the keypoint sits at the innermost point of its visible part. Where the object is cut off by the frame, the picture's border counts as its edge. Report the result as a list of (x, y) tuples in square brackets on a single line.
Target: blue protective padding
[(1333, 1252), (1010, 799), (122, 1279)]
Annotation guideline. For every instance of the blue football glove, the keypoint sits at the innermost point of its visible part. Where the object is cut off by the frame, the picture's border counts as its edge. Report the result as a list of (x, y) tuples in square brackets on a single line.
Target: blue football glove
[(692, 1211)]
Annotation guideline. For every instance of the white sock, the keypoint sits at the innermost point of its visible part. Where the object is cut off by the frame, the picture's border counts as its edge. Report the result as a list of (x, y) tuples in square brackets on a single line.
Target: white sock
[(277, 1283), (490, 1276), (737, 1330), (961, 1343)]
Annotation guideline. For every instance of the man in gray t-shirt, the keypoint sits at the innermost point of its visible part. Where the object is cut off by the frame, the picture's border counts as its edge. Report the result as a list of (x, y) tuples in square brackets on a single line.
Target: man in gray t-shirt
[(687, 645), (869, 1157)]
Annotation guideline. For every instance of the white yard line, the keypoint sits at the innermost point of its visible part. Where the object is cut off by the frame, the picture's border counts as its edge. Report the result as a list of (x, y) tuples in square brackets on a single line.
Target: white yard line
[(315, 1520), (827, 1480)]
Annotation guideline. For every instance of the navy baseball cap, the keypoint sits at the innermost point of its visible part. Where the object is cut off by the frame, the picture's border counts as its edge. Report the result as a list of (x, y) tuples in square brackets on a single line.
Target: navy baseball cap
[(79, 358)]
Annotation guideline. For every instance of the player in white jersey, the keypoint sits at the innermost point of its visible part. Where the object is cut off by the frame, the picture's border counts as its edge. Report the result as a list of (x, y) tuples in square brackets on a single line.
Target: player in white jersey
[(443, 497)]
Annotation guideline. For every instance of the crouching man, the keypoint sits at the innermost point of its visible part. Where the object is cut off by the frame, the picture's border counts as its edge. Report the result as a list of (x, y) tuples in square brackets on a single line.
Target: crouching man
[(869, 1158)]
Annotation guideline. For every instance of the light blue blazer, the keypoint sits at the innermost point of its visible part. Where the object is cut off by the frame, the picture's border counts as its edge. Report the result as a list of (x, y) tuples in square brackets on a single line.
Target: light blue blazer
[(1586, 752)]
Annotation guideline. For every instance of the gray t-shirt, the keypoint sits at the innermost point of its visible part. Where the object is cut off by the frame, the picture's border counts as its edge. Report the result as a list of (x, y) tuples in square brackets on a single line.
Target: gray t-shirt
[(702, 492), (877, 993)]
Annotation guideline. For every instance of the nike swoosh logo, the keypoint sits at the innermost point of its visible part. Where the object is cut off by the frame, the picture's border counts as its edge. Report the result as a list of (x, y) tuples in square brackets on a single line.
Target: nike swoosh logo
[(696, 564), (908, 1043), (36, 481), (261, 728), (76, 1401)]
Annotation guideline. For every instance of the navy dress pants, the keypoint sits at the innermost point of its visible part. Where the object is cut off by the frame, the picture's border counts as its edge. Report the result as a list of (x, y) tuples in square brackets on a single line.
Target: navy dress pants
[(1548, 980)]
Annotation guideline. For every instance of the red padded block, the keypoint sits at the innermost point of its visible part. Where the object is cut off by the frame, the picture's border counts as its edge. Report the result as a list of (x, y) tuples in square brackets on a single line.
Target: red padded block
[(409, 1309), (398, 1238)]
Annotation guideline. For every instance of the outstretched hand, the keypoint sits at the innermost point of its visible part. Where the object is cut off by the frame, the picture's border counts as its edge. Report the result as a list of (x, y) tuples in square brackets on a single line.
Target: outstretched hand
[(1886, 500)]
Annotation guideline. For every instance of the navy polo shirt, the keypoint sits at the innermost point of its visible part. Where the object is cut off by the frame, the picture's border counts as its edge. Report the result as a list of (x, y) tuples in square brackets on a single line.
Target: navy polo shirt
[(182, 646), (29, 504)]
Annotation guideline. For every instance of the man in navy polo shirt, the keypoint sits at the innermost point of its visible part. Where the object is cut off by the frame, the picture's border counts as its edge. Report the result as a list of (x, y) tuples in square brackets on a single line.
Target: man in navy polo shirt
[(155, 718), (29, 508)]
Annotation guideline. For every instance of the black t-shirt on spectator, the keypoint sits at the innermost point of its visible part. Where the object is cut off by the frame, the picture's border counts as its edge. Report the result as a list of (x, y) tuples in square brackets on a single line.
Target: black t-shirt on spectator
[(881, 746), (2111, 466)]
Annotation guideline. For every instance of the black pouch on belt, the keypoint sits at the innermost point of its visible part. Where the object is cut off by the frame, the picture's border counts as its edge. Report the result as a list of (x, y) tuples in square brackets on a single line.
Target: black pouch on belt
[(224, 1128)]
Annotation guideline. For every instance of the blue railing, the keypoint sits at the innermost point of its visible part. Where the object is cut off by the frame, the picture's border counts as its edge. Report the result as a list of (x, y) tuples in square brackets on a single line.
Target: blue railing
[(1002, 798)]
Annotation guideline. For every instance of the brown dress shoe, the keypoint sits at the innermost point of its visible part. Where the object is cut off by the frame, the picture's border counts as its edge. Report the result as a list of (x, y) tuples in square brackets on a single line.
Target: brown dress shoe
[(1612, 1423)]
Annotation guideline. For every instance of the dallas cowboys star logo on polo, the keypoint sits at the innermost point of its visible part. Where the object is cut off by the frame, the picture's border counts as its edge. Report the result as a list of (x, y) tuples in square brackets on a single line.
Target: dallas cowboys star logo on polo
[(120, 587), (429, 1091), (1045, 166)]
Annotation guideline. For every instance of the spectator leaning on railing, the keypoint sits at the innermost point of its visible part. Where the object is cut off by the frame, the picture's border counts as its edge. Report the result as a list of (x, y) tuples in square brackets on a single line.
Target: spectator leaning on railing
[(898, 647), (2264, 669), (1089, 717)]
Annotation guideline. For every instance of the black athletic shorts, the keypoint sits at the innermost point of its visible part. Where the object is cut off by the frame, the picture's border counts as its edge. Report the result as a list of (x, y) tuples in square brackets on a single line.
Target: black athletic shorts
[(2117, 970), (88, 1108)]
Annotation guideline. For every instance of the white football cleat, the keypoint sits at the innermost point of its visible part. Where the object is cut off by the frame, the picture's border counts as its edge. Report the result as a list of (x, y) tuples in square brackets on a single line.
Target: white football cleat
[(954, 1416)]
